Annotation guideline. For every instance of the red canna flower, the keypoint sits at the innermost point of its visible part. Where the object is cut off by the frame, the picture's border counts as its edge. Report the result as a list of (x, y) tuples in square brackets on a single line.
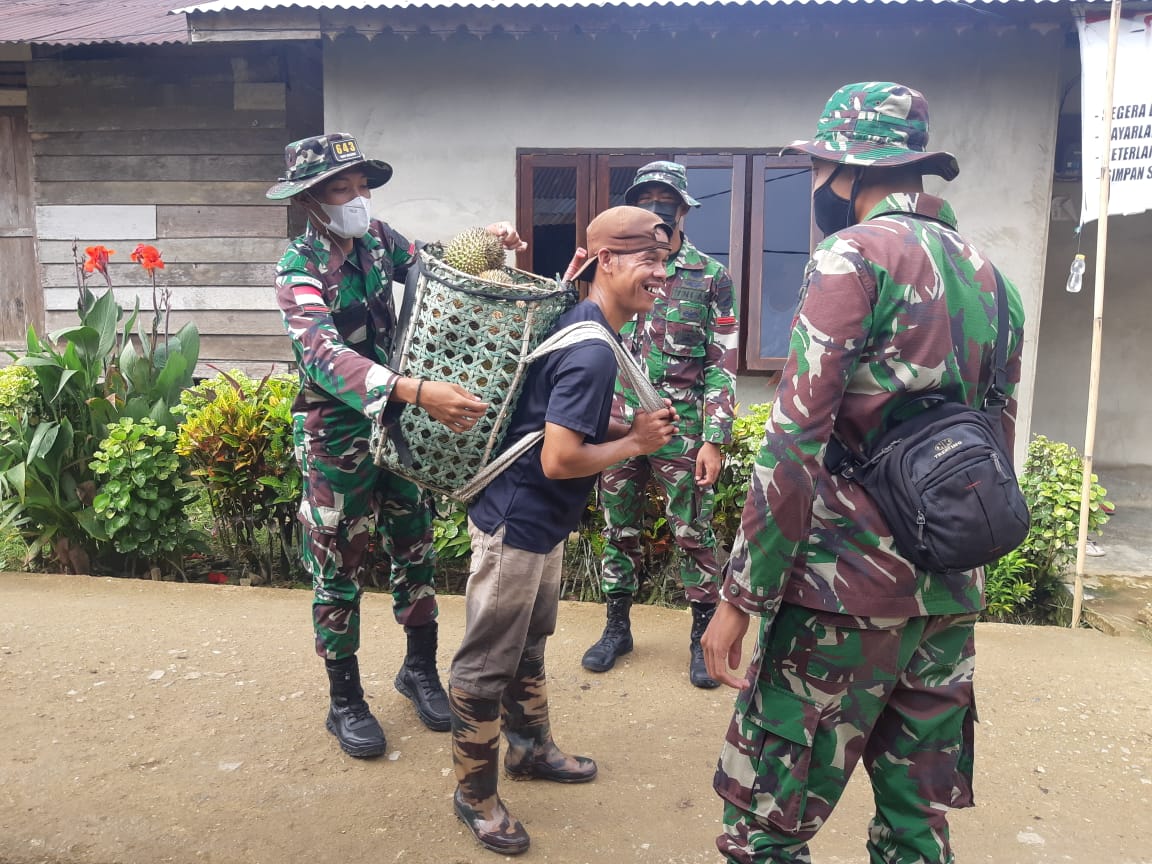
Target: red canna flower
[(148, 257), (98, 260)]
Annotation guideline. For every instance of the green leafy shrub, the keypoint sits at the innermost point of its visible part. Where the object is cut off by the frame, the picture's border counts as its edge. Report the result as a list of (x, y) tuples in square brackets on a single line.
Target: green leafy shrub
[(88, 376), (1008, 587), (13, 551), (20, 408), (19, 396), (739, 459), (1051, 481), (450, 532), (236, 439), (1027, 583), (140, 503)]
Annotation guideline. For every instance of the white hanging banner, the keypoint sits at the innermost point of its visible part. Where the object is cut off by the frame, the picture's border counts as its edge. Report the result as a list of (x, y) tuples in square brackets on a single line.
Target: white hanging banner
[(1130, 150)]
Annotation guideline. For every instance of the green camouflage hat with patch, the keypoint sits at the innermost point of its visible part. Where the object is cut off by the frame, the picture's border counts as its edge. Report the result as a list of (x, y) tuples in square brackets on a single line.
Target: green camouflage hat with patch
[(313, 160), (671, 174), (877, 123)]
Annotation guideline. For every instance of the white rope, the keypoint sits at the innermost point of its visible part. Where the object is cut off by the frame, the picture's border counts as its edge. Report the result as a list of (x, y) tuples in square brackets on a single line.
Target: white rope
[(633, 376)]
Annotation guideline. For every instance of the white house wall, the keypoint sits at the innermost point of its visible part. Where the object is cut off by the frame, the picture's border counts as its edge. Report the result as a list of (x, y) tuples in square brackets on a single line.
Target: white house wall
[(450, 115), (1061, 404)]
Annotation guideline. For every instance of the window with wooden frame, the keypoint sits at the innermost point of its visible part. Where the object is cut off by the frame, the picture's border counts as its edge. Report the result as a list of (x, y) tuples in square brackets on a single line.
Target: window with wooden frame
[(755, 218)]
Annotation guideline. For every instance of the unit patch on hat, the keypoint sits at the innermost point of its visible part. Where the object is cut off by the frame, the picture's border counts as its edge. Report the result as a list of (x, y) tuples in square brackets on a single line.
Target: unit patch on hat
[(343, 151)]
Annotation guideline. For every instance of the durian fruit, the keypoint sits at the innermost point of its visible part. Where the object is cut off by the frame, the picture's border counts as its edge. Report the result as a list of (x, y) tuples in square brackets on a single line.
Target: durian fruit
[(474, 251), (495, 276)]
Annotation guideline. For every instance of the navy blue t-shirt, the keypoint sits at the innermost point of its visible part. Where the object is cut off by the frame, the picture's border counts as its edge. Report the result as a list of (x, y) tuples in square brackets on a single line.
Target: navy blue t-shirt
[(571, 387)]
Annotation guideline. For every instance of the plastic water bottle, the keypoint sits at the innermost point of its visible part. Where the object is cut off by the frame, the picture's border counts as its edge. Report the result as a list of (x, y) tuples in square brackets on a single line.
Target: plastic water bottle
[(1076, 275)]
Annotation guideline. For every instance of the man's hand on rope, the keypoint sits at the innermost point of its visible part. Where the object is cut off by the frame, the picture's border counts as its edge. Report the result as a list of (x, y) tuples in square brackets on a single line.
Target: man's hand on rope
[(651, 430)]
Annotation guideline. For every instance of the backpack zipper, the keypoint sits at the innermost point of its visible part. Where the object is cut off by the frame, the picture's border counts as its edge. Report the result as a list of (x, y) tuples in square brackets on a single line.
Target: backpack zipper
[(999, 468)]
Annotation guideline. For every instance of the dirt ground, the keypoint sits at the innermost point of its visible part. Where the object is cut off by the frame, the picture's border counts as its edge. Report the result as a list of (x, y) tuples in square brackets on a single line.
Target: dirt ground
[(147, 722)]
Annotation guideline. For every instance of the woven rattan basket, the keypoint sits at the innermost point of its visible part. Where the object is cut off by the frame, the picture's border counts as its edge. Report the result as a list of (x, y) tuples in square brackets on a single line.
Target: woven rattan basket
[(475, 333)]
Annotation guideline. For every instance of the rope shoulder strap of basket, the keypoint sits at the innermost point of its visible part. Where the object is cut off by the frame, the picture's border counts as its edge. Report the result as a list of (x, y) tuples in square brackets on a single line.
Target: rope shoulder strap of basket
[(630, 371)]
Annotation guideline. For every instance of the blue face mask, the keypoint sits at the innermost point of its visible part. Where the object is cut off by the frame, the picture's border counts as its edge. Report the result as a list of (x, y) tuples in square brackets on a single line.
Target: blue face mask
[(831, 211)]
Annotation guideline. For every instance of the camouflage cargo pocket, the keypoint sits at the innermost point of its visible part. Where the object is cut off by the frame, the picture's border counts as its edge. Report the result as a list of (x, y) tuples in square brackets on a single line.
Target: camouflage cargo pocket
[(767, 754), (318, 508), (681, 331), (965, 758)]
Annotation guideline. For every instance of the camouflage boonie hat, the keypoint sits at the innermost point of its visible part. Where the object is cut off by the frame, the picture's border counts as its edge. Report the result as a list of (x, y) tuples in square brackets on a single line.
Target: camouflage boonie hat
[(877, 123), (312, 160), (669, 173)]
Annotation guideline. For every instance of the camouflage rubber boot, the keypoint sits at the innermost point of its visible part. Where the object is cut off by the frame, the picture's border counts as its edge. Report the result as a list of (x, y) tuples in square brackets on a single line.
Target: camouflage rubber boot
[(697, 668), (616, 640), (532, 754), (348, 717), (475, 757), (419, 680)]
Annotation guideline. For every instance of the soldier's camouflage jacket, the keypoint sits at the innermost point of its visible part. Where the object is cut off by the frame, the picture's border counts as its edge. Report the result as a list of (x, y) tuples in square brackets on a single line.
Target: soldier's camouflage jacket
[(688, 345), (339, 313), (897, 304)]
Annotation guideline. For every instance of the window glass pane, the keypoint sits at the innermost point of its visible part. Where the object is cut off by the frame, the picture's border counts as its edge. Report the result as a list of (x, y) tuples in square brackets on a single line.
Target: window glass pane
[(553, 219), (709, 226), (787, 221), (619, 179)]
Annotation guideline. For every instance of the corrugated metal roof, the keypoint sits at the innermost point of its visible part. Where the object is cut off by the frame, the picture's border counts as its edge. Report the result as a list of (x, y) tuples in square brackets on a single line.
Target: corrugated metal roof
[(256, 5), (80, 22)]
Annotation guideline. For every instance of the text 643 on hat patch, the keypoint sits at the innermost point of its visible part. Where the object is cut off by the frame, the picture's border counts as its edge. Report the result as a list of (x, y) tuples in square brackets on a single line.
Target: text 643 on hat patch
[(342, 151)]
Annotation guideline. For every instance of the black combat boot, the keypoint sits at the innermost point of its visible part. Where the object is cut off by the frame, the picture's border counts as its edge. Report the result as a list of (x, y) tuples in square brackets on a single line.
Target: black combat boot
[(697, 668), (349, 718), (616, 640), (419, 680)]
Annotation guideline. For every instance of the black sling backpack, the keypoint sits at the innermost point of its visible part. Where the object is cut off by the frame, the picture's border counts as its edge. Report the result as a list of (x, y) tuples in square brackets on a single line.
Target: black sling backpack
[(943, 479)]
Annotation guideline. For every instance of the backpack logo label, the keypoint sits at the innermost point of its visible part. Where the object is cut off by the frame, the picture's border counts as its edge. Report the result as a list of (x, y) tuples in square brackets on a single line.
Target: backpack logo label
[(944, 446)]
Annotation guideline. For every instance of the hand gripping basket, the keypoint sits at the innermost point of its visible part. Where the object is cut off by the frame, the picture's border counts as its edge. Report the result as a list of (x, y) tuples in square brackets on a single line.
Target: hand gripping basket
[(472, 332), (483, 336)]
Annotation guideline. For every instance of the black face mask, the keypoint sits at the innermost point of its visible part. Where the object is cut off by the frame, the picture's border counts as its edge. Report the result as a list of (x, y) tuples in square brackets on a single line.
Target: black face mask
[(833, 212), (666, 210)]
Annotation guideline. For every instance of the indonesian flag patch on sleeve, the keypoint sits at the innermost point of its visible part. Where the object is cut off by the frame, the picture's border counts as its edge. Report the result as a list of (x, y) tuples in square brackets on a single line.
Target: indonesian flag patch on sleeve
[(308, 295)]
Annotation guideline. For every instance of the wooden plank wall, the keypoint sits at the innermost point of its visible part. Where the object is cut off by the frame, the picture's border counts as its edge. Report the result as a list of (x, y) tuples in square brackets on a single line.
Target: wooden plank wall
[(173, 146)]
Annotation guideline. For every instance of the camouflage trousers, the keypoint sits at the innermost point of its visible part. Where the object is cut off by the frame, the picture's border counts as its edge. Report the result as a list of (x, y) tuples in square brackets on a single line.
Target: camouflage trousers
[(344, 495), (623, 491), (827, 691)]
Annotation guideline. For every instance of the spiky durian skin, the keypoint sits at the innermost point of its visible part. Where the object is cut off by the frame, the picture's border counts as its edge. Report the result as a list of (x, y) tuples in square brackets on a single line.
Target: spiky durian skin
[(474, 251), (495, 276)]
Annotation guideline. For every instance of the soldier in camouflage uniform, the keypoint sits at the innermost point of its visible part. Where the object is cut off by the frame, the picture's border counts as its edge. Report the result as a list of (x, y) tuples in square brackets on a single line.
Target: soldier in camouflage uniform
[(860, 655), (334, 287), (688, 345)]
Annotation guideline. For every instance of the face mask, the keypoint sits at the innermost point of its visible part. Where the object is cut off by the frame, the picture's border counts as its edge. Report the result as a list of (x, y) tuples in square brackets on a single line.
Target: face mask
[(349, 220), (832, 212), (666, 210)]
